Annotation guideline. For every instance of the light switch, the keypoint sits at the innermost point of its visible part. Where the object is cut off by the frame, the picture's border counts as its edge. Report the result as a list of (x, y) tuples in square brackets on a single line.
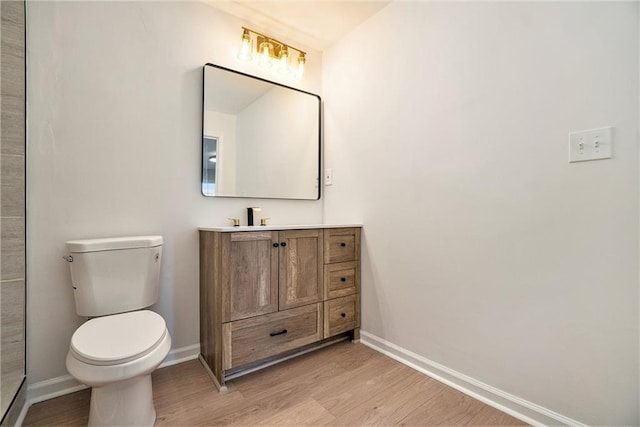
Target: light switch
[(591, 144), (328, 177)]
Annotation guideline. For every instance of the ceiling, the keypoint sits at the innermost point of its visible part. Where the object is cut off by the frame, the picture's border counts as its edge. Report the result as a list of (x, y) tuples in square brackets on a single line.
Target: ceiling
[(312, 23)]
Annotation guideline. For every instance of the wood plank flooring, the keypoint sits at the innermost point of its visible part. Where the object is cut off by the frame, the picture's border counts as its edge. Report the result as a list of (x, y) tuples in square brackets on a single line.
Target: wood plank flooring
[(344, 384)]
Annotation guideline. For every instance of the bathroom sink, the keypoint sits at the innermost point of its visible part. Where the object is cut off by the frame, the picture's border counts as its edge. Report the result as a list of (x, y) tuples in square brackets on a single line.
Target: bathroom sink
[(275, 227)]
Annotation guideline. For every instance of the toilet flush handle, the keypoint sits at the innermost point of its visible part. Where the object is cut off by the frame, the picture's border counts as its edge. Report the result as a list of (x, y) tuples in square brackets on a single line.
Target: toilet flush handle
[(68, 258)]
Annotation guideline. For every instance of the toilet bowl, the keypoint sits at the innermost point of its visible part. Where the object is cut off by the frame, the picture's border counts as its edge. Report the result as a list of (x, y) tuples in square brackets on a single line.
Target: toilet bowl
[(113, 281), (116, 355)]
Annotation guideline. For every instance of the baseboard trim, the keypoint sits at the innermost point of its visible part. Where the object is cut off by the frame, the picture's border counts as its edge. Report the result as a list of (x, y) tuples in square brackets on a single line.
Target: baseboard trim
[(54, 387), (23, 414), (522, 409), (17, 409), (182, 354), (59, 386)]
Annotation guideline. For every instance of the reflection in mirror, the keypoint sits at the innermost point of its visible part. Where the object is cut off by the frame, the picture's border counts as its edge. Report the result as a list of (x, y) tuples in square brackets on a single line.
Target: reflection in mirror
[(209, 160), (260, 139)]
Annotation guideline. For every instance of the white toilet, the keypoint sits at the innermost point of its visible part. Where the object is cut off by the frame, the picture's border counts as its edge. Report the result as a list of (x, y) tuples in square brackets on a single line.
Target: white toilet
[(116, 351)]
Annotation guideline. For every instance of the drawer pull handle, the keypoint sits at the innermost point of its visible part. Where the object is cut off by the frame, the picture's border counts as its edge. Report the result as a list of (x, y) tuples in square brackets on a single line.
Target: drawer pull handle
[(282, 332), (343, 244), (343, 314), (275, 245), (343, 279), (283, 244)]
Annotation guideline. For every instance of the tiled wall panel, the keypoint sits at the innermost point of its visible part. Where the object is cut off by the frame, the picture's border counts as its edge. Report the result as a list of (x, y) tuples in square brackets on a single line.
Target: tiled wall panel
[(12, 200)]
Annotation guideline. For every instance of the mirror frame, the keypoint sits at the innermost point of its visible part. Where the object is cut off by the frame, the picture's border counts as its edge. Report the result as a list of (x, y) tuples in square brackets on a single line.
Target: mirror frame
[(319, 165)]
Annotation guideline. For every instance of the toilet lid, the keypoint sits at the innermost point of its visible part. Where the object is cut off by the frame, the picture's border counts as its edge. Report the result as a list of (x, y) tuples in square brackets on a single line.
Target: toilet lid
[(119, 338)]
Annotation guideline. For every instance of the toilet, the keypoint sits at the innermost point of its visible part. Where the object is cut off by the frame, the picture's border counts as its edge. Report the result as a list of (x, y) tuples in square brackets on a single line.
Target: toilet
[(118, 348)]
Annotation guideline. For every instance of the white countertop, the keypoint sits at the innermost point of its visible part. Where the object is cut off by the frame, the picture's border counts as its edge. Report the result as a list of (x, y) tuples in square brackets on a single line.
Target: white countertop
[(227, 229)]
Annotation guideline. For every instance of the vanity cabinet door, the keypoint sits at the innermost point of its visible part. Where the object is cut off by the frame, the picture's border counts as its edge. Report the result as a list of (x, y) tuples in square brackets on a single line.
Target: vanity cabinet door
[(301, 268), (249, 266)]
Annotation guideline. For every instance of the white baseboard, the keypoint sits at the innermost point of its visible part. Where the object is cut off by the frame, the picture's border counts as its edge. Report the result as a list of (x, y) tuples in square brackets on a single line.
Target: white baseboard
[(524, 410), (23, 414), (48, 389), (17, 410), (182, 354)]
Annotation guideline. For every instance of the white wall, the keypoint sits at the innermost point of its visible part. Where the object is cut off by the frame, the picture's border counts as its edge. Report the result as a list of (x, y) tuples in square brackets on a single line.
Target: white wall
[(114, 148), (485, 250)]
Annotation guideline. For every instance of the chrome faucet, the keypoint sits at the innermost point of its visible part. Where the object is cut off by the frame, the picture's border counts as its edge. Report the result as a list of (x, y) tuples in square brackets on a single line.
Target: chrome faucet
[(250, 212)]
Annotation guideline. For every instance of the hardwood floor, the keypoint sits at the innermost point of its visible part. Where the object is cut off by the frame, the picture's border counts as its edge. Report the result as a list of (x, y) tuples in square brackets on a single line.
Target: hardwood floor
[(344, 384)]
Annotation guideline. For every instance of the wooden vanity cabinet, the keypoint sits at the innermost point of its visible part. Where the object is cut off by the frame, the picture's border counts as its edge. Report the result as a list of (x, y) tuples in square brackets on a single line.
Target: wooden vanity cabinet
[(264, 293)]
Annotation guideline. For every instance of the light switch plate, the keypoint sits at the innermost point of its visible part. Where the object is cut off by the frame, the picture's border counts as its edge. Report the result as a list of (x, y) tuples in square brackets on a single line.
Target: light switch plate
[(328, 177), (591, 144)]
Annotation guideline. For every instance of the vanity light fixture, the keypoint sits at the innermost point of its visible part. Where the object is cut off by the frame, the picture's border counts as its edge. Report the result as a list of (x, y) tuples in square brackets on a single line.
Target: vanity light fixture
[(270, 52)]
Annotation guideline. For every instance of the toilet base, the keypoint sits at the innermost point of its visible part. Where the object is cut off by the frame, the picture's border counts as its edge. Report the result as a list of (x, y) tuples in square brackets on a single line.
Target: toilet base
[(123, 403)]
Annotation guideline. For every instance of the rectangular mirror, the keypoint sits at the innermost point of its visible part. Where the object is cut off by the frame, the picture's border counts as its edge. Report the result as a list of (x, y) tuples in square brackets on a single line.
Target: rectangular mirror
[(260, 139)]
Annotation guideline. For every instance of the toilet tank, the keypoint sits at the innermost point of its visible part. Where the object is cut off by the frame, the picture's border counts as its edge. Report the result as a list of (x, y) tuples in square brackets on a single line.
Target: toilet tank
[(115, 275)]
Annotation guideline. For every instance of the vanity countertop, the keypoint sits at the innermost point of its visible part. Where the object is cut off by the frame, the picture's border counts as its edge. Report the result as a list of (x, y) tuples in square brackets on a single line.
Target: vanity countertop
[(230, 229)]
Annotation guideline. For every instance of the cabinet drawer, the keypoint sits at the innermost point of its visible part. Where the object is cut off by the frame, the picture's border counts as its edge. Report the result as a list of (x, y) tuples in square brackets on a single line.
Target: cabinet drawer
[(259, 337), (341, 279), (341, 244), (341, 314)]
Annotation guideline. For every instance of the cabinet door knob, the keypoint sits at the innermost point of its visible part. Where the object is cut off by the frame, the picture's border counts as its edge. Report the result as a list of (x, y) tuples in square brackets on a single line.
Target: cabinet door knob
[(282, 332), (343, 279), (283, 244), (343, 314), (275, 245), (343, 244)]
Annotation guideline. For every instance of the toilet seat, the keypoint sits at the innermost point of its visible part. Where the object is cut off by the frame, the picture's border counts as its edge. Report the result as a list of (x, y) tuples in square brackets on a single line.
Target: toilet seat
[(119, 338)]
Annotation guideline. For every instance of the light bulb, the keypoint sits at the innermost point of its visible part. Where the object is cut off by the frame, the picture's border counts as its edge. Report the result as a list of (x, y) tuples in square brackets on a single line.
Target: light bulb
[(283, 65), (301, 61), (264, 54), (245, 47)]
